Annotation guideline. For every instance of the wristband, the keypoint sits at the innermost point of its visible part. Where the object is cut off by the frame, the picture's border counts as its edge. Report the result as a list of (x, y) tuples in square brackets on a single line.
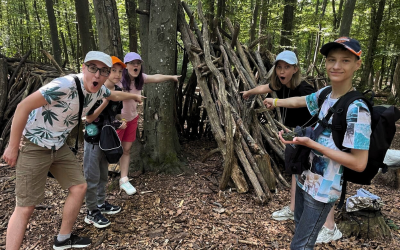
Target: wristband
[(274, 102)]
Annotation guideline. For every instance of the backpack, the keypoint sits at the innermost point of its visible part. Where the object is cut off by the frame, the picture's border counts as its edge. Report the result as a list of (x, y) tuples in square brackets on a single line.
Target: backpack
[(109, 140), (110, 144), (383, 128)]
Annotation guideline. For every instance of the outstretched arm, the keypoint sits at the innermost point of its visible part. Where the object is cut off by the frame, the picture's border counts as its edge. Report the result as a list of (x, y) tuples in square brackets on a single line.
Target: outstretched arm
[(21, 114), (356, 160), (262, 89), (161, 78), (117, 96), (292, 102)]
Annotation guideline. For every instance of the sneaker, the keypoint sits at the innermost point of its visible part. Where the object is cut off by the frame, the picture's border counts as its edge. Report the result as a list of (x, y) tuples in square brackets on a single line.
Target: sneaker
[(107, 208), (73, 242), (326, 235), (128, 188), (97, 219), (283, 214)]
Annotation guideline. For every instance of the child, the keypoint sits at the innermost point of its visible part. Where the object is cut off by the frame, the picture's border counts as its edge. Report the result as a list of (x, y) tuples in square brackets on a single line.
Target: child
[(286, 82), (133, 79), (95, 164), (313, 204), (45, 118)]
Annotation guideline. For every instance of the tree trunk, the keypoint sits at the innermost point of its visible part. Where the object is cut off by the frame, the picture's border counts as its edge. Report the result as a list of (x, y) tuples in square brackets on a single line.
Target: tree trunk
[(84, 24), (40, 25), (3, 87), (53, 31), (254, 20), (159, 132), (347, 18), (108, 27), (376, 20), (339, 16), (263, 27), (287, 22), (144, 5), (396, 79), (130, 6)]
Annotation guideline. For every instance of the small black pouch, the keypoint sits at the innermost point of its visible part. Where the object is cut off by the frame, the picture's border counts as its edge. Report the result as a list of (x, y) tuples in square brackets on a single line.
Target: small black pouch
[(297, 156)]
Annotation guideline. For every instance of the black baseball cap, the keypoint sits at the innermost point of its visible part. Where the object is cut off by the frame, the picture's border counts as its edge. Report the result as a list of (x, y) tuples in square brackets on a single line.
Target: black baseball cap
[(346, 42)]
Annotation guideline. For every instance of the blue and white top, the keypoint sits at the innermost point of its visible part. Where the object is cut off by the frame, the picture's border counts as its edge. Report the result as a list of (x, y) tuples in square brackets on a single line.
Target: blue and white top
[(324, 183), (50, 125)]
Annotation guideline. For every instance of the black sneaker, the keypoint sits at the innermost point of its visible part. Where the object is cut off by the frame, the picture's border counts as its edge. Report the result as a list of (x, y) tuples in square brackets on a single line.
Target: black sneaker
[(97, 219), (107, 208), (73, 242)]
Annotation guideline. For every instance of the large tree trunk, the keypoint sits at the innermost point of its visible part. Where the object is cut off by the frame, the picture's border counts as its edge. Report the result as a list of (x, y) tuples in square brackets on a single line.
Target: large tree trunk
[(108, 27), (53, 31), (84, 24), (287, 23), (376, 20), (130, 6), (159, 132), (347, 18)]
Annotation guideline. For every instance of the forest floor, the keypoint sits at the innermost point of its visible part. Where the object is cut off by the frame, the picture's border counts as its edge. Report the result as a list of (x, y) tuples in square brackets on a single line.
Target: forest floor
[(184, 212)]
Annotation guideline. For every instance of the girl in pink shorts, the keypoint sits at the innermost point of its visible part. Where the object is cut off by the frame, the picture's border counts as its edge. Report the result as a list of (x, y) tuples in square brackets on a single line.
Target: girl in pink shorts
[(132, 81)]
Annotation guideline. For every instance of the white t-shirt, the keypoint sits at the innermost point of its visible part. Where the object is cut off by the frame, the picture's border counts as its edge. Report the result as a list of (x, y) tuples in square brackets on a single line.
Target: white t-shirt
[(50, 125)]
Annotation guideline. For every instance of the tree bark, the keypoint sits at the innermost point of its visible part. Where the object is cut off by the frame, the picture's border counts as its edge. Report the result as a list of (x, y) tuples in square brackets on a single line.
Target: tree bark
[(130, 6), (254, 20), (144, 5), (287, 23), (53, 32), (108, 27), (347, 18), (3, 87), (396, 80), (376, 20), (159, 133), (84, 24)]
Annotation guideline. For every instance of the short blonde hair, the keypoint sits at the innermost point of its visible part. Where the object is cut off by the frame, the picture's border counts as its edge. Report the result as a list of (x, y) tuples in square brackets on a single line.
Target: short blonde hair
[(294, 82)]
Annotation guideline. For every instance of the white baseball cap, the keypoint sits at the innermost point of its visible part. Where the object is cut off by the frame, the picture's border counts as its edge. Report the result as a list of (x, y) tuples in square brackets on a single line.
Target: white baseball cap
[(286, 56), (99, 56)]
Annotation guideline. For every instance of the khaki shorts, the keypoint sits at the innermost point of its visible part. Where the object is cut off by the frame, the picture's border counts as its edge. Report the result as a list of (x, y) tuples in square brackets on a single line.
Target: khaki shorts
[(31, 171)]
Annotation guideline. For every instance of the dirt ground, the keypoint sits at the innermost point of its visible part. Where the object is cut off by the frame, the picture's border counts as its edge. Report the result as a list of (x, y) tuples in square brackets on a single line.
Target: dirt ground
[(184, 212)]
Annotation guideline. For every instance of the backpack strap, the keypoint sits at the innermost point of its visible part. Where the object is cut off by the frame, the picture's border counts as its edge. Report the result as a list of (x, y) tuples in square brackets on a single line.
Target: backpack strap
[(81, 100), (322, 96), (339, 122)]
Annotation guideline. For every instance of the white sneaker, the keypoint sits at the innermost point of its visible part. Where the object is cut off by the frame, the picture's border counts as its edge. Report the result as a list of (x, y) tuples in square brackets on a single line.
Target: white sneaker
[(326, 235), (128, 188), (283, 214)]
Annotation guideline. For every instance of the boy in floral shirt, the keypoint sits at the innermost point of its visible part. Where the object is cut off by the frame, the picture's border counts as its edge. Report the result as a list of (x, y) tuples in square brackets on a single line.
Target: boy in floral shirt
[(44, 120)]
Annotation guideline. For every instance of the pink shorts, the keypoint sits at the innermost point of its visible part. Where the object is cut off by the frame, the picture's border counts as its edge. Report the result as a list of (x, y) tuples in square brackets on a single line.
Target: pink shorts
[(129, 133)]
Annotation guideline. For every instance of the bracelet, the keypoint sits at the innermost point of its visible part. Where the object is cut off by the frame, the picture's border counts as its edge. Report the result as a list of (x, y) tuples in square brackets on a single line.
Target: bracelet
[(274, 102)]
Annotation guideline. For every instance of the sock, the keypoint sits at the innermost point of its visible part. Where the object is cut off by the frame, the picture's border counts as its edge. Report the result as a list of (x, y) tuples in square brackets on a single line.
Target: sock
[(99, 206), (123, 180), (62, 237)]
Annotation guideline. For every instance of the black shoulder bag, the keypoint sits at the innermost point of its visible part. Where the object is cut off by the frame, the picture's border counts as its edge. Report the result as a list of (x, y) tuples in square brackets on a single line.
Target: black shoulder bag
[(81, 100)]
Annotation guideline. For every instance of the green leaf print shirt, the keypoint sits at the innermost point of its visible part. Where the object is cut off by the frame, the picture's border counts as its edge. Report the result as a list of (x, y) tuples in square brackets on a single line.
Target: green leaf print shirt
[(50, 125)]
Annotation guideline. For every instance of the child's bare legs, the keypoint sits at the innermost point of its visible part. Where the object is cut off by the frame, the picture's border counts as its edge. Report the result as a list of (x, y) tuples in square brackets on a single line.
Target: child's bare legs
[(124, 166), (330, 220), (125, 158)]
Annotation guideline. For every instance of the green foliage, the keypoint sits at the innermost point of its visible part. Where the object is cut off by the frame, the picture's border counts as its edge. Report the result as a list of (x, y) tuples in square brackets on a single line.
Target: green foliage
[(24, 26)]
